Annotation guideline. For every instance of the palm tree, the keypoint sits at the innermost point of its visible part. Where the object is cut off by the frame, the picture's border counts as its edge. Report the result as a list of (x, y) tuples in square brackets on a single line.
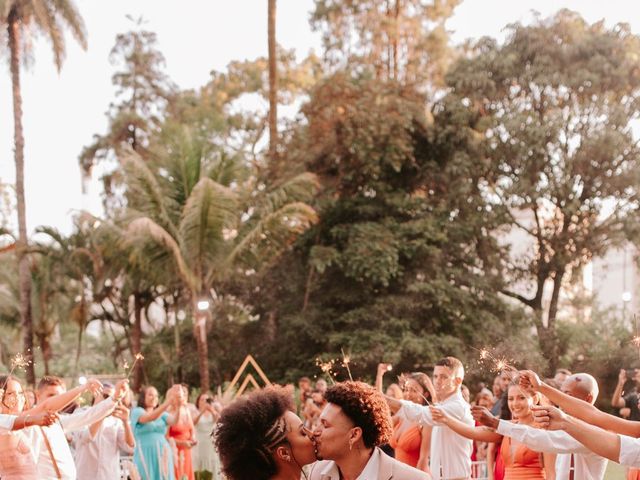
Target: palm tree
[(195, 209), (50, 18), (273, 86)]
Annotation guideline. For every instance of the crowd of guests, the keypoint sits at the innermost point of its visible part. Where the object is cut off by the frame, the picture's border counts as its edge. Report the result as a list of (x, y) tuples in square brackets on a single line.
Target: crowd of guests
[(48, 436), (420, 428)]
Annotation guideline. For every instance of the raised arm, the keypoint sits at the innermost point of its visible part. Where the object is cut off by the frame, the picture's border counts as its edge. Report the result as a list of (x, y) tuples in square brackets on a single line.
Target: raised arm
[(482, 434), (579, 408), (616, 399), (59, 402), (382, 369)]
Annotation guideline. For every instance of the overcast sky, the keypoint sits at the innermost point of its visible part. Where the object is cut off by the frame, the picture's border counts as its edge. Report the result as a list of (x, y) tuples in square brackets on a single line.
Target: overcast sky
[(63, 111)]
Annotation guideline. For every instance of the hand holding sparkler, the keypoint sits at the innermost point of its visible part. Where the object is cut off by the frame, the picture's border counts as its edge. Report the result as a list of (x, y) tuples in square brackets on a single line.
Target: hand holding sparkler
[(93, 385), (548, 417), (439, 415), (483, 416), (529, 381), (121, 389)]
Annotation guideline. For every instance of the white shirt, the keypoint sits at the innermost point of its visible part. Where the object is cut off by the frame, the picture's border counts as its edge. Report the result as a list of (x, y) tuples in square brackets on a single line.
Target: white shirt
[(6, 422), (59, 446), (587, 465), (450, 452), (629, 451), (98, 457), (369, 472)]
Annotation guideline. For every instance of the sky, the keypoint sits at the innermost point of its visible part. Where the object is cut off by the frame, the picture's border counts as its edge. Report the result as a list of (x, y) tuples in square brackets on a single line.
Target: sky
[(62, 111)]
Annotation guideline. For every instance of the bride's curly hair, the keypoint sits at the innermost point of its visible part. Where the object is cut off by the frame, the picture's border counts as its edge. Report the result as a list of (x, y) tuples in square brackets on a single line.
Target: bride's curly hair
[(247, 432)]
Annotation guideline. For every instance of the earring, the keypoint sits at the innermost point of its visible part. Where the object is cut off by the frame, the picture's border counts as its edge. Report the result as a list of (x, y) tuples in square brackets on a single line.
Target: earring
[(350, 446)]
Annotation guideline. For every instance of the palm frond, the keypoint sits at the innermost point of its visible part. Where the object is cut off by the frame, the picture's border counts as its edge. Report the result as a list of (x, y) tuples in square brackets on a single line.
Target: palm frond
[(144, 229), (144, 186), (301, 188), (210, 208), (68, 11), (272, 233)]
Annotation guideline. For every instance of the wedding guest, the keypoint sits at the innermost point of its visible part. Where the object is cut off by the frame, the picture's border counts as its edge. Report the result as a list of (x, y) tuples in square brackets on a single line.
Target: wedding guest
[(153, 456), (98, 446), (205, 456), (573, 459), (521, 462), (411, 441), (182, 433), (50, 447), (450, 453), (260, 438)]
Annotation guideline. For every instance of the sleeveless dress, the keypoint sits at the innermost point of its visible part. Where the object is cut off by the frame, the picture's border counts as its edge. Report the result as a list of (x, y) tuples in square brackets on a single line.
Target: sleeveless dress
[(521, 464), (406, 443), (16, 457), (183, 465), (152, 455), (205, 457)]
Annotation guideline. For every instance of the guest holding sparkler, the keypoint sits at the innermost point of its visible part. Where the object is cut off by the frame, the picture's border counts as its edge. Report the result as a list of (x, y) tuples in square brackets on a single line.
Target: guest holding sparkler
[(153, 455), (98, 446), (259, 437), (55, 460), (450, 452), (16, 455), (182, 433), (521, 462), (573, 459)]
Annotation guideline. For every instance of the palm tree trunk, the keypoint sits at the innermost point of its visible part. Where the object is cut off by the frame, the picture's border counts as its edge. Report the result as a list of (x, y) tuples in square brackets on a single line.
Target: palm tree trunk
[(24, 274), (273, 87), (200, 333)]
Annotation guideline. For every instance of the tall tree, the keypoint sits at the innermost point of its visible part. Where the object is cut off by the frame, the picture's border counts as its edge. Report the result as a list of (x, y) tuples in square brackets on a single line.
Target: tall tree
[(403, 40), (50, 18), (188, 204), (142, 93), (554, 108), (273, 85)]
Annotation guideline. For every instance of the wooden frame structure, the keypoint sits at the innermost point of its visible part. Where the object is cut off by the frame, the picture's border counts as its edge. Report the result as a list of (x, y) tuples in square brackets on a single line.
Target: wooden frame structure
[(248, 379)]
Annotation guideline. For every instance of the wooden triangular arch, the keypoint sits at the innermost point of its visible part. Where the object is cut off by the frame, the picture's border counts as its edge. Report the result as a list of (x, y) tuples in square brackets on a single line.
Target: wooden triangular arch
[(248, 378)]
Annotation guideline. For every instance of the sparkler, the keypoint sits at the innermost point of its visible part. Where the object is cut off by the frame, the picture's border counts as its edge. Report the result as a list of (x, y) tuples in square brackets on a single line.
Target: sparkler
[(138, 356), (18, 361), (346, 359), (498, 364), (327, 367)]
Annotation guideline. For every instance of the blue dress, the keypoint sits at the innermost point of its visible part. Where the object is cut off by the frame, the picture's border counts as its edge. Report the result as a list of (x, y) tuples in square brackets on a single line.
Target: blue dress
[(152, 455)]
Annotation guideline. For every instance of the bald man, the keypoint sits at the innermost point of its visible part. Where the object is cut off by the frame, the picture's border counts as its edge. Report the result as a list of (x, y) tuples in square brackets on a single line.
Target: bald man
[(574, 461)]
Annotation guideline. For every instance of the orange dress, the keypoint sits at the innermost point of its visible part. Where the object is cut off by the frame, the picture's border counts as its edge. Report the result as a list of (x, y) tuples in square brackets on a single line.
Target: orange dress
[(522, 463), (183, 464), (406, 443)]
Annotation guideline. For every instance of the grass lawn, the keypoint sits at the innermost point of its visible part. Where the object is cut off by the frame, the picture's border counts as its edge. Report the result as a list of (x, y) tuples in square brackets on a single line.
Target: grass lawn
[(614, 472)]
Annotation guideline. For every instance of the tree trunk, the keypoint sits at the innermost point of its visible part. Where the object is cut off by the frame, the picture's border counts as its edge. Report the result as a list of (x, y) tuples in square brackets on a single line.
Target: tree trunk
[(24, 274), (200, 334), (550, 348), (273, 88), (136, 337)]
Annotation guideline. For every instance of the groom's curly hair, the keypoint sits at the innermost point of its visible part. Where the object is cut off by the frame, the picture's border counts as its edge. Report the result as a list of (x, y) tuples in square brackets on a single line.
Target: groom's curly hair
[(367, 409), (248, 430)]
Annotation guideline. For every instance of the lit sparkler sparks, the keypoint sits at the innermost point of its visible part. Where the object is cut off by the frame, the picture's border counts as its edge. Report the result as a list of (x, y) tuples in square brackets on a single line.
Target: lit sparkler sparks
[(346, 359), (138, 357), (327, 368), (497, 364), (18, 361)]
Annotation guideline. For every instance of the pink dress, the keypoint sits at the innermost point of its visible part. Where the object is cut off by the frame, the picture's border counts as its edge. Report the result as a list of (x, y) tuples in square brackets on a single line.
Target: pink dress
[(16, 457)]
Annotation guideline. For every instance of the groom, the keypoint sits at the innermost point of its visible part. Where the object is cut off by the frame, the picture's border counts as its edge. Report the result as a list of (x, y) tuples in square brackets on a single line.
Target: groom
[(354, 423)]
